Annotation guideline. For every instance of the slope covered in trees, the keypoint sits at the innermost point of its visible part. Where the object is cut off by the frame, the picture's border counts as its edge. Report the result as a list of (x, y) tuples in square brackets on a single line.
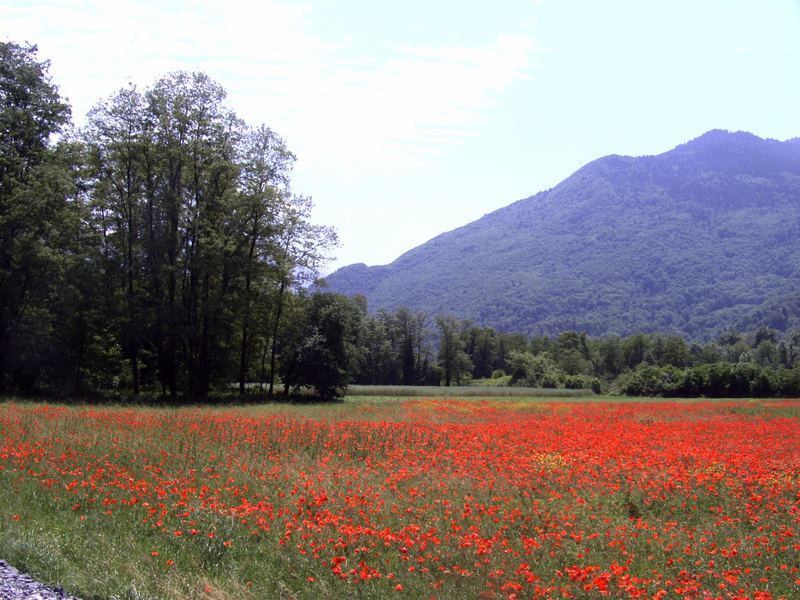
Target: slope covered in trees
[(693, 241)]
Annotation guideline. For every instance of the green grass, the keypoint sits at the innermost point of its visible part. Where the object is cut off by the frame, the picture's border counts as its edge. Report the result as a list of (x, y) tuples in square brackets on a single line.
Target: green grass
[(97, 555), (464, 391)]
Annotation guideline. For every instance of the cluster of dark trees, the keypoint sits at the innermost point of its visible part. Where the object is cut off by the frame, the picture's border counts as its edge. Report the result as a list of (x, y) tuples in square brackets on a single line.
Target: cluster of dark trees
[(159, 250), (159, 247)]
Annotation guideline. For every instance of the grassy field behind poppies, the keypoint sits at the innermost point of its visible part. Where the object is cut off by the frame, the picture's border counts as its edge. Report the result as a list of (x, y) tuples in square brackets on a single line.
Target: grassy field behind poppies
[(408, 498)]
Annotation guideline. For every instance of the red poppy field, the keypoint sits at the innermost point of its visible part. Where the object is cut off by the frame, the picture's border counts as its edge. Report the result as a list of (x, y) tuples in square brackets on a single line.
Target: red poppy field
[(417, 498)]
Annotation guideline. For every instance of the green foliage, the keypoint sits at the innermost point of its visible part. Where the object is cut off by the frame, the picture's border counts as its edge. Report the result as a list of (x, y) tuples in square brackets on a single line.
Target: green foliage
[(325, 352), (534, 370), (155, 251), (38, 187), (718, 380), (454, 362), (542, 371)]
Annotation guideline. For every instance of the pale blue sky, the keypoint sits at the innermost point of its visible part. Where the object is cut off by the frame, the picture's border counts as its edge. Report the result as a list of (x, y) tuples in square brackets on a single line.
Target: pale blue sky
[(412, 118)]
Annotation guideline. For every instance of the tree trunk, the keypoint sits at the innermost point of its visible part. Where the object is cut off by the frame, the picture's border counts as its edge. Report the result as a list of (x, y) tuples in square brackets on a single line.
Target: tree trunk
[(132, 325), (287, 383), (244, 351), (274, 350)]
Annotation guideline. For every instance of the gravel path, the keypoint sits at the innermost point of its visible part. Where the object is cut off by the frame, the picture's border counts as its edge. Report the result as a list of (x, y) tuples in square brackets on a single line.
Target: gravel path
[(18, 586)]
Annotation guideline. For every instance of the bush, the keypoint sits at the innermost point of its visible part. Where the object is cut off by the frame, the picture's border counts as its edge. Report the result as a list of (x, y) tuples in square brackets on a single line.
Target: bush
[(717, 380)]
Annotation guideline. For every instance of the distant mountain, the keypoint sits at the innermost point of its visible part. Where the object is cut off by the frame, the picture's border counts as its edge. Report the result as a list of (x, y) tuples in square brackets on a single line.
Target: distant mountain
[(692, 241)]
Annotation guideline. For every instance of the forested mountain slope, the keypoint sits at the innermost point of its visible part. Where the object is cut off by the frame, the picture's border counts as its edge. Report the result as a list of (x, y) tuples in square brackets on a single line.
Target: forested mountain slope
[(694, 241)]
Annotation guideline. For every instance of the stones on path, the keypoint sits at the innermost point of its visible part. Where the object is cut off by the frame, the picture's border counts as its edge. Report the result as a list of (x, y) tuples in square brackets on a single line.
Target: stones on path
[(18, 586)]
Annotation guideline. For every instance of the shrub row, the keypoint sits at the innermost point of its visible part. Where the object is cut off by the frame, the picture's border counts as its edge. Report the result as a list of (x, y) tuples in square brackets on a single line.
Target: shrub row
[(717, 380)]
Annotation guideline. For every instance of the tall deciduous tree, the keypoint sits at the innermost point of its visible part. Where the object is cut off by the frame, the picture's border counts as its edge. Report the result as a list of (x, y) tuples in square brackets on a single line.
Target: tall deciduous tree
[(298, 251), (264, 183), (414, 351), (34, 187), (116, 135), (165, 173), (324, 353), (454, 362)]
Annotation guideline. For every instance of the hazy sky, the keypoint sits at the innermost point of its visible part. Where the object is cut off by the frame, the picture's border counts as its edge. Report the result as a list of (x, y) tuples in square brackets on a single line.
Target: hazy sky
[(412, 118)]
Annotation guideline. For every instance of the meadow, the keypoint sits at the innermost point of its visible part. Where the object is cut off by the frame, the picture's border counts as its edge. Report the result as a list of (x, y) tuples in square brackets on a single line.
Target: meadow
[(406, 497)]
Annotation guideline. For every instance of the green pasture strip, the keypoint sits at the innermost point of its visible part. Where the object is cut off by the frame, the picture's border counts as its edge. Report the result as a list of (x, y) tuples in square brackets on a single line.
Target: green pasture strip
[(464, 391)]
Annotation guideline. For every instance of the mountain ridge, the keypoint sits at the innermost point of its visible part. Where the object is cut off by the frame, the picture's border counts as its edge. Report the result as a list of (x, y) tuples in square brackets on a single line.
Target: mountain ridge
[(667, 242)]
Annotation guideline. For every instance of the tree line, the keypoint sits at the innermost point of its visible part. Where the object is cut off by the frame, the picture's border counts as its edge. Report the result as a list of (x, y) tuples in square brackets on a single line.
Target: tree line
[(160, 250), (405, 347)]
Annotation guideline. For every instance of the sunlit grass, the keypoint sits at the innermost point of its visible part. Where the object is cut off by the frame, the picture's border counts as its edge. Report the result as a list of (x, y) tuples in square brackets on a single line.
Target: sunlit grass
[(375, 497)]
